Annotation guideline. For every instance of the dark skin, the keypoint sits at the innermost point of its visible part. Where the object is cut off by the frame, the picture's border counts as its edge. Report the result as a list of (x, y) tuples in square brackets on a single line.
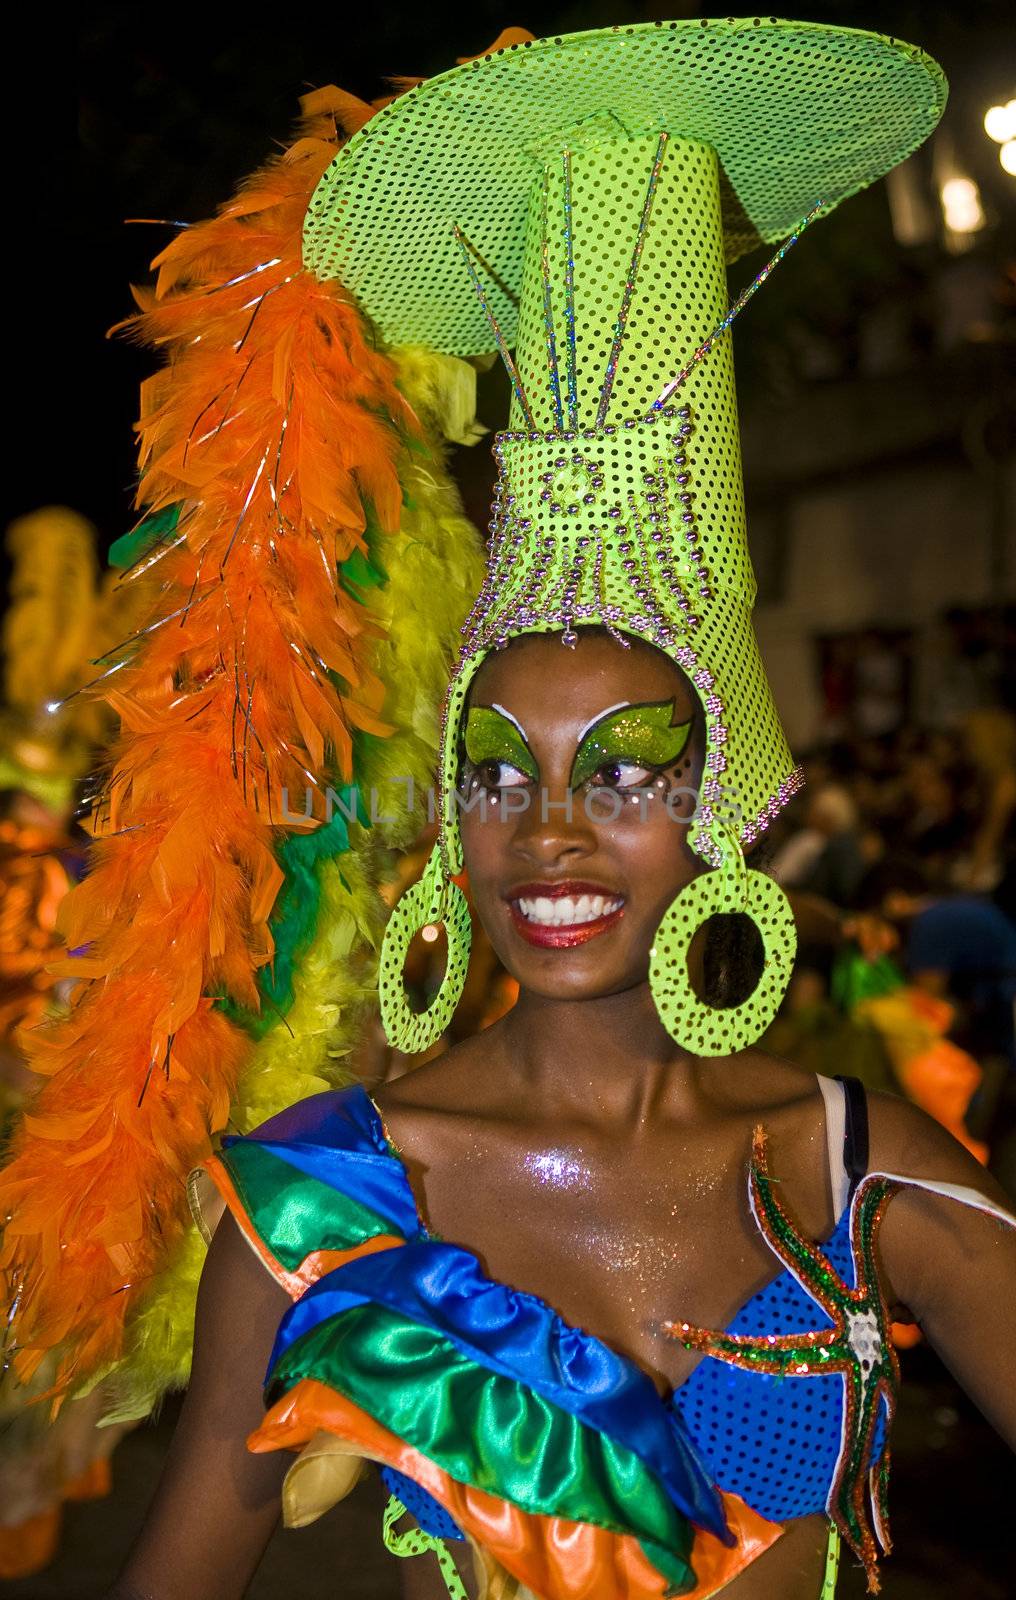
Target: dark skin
[(588, 1159)]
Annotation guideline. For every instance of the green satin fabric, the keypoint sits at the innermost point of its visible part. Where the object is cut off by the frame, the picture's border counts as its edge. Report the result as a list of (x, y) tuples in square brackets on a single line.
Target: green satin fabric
[(488, 1430), (294, 1213)]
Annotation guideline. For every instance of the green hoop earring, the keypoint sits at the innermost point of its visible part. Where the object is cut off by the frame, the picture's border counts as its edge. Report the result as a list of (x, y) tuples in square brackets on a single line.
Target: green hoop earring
[(432, 900), (718, 1030)]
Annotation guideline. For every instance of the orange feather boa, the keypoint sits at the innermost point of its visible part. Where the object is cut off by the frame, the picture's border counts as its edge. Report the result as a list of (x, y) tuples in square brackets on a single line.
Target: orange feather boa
[(274, 423)]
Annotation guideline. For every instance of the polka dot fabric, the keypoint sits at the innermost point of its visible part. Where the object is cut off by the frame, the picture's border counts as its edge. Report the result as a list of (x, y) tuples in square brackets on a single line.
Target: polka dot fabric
[(632, 518), (797, 112), (576, 199), (773, 1441), (430, 1514), (714, 1030), (429, 901)]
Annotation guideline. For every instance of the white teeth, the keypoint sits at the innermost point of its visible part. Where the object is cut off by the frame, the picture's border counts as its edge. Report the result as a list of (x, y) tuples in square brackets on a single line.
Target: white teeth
[(568, 910)]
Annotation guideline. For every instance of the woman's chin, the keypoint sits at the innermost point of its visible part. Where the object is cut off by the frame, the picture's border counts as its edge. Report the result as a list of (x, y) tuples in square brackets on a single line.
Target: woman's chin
[(558, 975)]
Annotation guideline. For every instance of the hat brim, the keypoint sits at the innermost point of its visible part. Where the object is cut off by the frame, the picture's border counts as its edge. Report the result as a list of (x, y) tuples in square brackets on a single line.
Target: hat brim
[(799, 114)]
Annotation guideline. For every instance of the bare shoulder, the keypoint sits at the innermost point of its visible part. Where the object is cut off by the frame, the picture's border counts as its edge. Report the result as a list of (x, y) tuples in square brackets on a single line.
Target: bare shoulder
[(905, 1141), (433, 1103), (756, 1088), (757, 1081), (930, 1242)]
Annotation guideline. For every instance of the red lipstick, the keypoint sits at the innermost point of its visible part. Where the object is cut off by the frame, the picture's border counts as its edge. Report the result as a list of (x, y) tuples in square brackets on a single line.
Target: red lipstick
[(561, 936)]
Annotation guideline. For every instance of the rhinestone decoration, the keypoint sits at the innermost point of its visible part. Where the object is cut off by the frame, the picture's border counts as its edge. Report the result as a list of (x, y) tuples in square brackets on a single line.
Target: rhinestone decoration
[(738, 306), (635, 524), (569, 295), (495, 327), (548, 313), (591, 530), (629, 283)]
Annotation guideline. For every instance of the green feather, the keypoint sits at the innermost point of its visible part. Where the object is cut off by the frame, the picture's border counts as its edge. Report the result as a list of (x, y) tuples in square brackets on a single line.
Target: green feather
[(130, 547)]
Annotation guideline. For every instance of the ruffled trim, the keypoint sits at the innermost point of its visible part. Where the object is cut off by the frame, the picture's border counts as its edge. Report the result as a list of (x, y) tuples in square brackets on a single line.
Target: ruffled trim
[(505, 1332), (550, 1555)]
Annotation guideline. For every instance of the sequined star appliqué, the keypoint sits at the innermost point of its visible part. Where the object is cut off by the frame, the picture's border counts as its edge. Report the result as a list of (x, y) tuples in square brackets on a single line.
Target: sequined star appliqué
[(858, 1345)]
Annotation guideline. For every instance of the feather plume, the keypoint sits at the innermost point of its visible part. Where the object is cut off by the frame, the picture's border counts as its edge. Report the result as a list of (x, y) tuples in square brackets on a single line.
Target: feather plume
[(278, 430), (433, 571)]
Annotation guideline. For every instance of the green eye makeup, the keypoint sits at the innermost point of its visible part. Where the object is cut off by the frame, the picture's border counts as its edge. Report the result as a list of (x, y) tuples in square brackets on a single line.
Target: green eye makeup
[(640, 734), (490, 736)]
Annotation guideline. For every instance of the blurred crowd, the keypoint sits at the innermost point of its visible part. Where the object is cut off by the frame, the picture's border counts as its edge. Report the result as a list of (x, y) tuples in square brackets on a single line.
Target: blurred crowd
[(900, 859)]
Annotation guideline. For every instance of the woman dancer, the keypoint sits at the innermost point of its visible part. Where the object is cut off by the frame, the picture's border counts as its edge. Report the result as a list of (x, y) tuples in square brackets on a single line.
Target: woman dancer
[(562, 1284)]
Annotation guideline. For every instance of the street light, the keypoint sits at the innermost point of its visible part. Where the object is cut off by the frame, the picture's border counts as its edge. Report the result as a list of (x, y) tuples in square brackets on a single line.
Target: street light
[(961, 205), (1000, 123)]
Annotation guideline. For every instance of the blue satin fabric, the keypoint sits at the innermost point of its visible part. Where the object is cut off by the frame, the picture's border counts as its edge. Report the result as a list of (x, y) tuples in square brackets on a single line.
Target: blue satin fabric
[(442, 1287), (338, 1139), (338, 1119), (372, 1180)]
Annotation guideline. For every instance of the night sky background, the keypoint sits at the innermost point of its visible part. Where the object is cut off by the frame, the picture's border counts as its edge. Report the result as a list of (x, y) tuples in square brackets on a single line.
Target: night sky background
[(123, 111)]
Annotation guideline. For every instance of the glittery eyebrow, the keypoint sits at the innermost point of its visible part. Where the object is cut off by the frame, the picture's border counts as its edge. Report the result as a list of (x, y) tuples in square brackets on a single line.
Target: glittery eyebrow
[(642, 733), (620, 706), (491, 734), (513, 720)]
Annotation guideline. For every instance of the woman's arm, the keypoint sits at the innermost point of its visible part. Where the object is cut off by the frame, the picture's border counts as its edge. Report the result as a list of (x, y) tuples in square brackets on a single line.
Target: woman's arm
[(216, 1505), (952, 1266)]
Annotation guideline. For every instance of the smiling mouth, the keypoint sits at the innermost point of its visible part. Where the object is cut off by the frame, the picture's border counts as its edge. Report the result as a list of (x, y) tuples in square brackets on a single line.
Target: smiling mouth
[(559, 916)]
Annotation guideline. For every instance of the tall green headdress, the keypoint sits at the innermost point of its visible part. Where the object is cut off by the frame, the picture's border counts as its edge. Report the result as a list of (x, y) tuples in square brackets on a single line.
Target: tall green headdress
[(574, 202)]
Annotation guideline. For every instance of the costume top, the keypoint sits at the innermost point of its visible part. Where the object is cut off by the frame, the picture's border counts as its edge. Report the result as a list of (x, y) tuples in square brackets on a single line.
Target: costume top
[(495, 1419)]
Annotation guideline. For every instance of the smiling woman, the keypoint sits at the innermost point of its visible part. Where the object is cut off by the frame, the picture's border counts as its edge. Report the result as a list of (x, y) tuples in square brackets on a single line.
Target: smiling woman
[(605, 1291), (586, 852)]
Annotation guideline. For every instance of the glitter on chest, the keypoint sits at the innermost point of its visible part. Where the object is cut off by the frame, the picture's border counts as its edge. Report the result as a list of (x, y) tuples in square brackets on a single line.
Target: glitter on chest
[(649, 1260), (558, 1169)]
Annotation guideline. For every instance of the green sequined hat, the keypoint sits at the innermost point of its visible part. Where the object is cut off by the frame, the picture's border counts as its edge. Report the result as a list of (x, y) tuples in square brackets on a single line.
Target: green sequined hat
[(575, 201)]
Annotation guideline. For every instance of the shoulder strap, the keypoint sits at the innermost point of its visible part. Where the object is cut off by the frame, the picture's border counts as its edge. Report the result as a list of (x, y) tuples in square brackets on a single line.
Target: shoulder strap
[(835, 1127), (855, 1132)]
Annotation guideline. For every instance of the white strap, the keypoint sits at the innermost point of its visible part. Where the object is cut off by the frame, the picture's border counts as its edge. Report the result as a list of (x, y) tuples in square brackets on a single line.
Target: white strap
[(835, 1097), (949, 1191)]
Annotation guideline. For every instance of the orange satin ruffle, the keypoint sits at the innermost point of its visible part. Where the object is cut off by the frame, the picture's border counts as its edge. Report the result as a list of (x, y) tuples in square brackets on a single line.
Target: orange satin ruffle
[(556, 1558), (311, 1268)]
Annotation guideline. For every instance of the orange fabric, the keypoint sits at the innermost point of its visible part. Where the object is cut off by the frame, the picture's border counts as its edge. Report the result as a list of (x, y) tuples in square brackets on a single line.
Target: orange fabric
[(556, 1558), (932, 1071), (313, 1266), (31, 1546), (943, 1080), (92, 1484), (271, 426)]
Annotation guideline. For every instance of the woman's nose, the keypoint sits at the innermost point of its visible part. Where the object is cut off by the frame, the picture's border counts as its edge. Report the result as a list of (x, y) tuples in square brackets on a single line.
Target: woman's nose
[(553, 827)]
